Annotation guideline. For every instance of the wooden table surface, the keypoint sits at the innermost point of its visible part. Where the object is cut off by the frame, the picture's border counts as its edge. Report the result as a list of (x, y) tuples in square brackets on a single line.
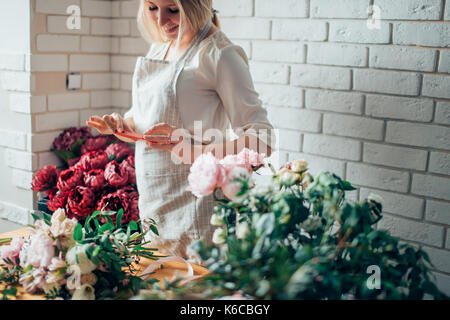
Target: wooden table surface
[(168, 271)]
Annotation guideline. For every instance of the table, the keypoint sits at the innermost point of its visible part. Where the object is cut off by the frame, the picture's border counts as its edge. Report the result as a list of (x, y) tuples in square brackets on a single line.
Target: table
[(168, 271)]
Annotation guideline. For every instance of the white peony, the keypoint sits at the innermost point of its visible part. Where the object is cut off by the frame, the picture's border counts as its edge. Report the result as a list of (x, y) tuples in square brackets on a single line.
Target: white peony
[(219, 236), (85, 292), (79, 253)]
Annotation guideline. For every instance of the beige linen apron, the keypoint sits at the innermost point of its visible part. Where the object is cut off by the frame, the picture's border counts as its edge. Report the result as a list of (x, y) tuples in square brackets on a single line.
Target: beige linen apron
[(181, 218)]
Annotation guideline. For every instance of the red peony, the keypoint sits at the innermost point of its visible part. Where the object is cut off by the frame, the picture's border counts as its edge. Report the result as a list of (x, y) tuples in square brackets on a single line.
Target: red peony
[(45, 179), (115, 174), (119, 150), (120, 200), (80, 203), (73, 161), (66, 140), (130, 171), (94, 160), (129, 161), (59, 200), (96, 143), (95, 179), (69, 179)]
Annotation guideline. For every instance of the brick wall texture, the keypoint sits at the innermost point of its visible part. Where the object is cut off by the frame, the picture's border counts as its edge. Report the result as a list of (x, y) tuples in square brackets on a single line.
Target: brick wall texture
[(357, 87)]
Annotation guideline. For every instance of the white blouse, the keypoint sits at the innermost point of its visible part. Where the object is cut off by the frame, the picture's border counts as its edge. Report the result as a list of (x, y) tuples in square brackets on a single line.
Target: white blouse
[(216, 88)]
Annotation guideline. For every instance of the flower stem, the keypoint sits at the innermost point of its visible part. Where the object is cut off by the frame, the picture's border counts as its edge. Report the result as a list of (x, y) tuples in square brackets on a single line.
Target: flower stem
[(5, 240)]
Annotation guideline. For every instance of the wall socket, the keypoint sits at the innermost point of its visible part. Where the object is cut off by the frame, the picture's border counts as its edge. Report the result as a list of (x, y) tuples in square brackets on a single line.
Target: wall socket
[(73, 81)]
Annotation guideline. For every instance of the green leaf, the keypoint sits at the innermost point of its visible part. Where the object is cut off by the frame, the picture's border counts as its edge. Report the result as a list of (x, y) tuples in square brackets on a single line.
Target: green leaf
[(78, 232), (119, 218), (154, 229), (64, 155), (133, 225)]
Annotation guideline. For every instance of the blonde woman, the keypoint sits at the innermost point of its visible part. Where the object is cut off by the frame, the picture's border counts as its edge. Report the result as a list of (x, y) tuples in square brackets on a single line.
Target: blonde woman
[(193, 74)]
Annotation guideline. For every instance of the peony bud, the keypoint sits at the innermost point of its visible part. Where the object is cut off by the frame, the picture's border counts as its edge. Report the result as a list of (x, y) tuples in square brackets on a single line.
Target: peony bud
[(85, 292), (299, 165), (217, 221), (219, 236)]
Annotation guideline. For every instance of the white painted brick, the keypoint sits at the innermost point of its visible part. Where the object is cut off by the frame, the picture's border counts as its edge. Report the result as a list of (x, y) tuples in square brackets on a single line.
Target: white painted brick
[(21, 160), (134, 31), (387, 57), (85, 62), (399, 108), (269, 72), (410, 9), (442, 114), (58, 24), (115, 9), (121, 99), (394, 82), (43, 141), (447, 11), (116, 80), (412, 230), (328, 146), (21, 179), (101, 99), (437, 86), (15, 81), (375, 177), (317, 164), (126, 82), (339, 9), (447, 242), (134, 46), (358, 32), (342, 102), (48, 62), (299, 30), (353, 126), (13, 139), (92, 8), (255, 28), (439, 258), (101, 27), (337, 54), (56, 120), (444, 62), (439, 163), (431, 186), (120, 27), (129, 8), (281, 8), (420, 135), (49, 158), (293, 118), (290, 140), (115, 45), (278, 51), (14, 213), (97, 81), (56, 43), (55, 6), (422, 34), (396, 203), (438, 211), (234, 8), (85, 114), (12, 62), (123, 64), (399, 157), (321, 77), (96, 44), (279, 95), (25, 103), (68, 101), (442, 281)]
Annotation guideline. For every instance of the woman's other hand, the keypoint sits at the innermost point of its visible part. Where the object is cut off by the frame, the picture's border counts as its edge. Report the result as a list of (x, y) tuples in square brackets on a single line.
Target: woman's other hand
[(108, 124)]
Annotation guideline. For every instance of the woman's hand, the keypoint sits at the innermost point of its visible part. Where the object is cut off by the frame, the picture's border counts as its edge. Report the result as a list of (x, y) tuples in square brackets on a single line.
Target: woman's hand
[(108, 124)]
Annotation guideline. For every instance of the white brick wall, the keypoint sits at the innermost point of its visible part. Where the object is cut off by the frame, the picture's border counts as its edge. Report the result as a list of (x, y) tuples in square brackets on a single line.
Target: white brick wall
[(371, 105)]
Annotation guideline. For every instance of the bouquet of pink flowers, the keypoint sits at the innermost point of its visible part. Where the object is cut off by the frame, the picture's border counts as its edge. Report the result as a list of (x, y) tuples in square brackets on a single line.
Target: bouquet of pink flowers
[(63, 259), (100, 176)]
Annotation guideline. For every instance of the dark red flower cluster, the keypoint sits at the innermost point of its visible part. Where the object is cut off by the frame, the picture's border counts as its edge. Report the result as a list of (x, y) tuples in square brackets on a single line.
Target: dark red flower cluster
[(102, 178)]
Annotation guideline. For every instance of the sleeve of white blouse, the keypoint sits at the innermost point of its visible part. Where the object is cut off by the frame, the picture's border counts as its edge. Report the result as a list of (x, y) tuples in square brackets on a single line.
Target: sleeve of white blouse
[(235, 88)]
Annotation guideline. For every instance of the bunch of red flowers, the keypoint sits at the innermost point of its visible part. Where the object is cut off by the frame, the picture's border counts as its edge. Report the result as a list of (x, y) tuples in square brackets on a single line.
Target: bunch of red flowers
[(102, 178)]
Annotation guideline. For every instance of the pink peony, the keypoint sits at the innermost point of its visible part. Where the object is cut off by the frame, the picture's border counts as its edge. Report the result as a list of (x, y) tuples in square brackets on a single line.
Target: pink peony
[(206, 174), (250, 157), (41, 251), (12, 250), (115, 174), (130, 170), (232, 185), (119, 151)]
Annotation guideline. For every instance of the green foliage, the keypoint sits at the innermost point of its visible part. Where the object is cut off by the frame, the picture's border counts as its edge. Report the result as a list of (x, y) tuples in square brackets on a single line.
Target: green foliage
[(303, 240)]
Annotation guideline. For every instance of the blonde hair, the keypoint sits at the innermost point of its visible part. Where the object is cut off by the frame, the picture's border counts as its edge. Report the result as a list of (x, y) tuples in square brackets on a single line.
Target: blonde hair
[(194, 13)]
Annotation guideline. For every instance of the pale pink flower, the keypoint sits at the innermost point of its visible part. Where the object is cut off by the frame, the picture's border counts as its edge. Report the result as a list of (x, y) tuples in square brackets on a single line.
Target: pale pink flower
[(12, 250), (233, 183), (61, 226), (41, 251), (250, 157), (206, 174)]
